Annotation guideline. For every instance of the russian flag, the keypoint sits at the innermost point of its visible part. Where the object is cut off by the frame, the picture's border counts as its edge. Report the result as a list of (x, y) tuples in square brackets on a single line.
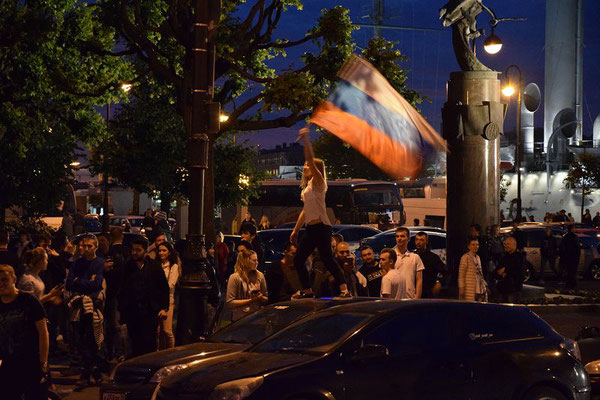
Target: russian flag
[(366, 112)]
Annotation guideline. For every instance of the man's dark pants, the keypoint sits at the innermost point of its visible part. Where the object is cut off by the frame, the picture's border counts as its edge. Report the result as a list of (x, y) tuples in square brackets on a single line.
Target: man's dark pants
[(142, 332)]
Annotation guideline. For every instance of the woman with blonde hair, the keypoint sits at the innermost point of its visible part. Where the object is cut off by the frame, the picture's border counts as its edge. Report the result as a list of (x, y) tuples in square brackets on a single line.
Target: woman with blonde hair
[(318, 227), (247, 287), (471, 284), (264, 224)]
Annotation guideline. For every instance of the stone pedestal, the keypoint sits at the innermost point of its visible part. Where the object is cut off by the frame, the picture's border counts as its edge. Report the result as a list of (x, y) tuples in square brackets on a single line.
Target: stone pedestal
[(472, 119)]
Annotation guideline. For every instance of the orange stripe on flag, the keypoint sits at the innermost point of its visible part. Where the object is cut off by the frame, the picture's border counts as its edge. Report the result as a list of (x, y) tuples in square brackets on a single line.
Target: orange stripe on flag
[(392, 157)]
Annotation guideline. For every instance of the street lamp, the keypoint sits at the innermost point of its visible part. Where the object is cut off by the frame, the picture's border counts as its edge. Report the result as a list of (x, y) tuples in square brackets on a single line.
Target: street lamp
[(492, 44), (126, 87), (508, 91)]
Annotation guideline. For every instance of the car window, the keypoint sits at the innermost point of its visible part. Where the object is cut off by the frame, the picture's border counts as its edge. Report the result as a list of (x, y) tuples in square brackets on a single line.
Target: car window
[(257, 326), (315, 334), (534, 238), (355, 234), (410, 331), (491, 325), (137, 222), (437, 242)]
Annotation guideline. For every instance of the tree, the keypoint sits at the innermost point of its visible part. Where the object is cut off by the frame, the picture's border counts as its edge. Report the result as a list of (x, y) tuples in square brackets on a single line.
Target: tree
[(145, 150), (247, 48), (584, 174), (49, 84)]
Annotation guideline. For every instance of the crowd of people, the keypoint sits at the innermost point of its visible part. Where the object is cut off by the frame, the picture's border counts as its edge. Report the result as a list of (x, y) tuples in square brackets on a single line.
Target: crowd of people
[(108, 301)]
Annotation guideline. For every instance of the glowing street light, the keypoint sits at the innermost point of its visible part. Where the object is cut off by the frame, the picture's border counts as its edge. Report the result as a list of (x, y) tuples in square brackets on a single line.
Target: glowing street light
[(492, 43), (75, 164), (223, 118), (126, 87), (508, 90)]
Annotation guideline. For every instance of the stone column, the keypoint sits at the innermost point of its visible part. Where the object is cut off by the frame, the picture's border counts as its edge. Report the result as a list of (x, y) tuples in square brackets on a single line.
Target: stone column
[(472, 120)]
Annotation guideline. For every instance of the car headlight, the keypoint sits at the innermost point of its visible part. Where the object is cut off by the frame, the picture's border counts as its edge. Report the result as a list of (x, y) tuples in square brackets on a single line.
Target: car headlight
[(166, 371), (236, 390), (593, 368)]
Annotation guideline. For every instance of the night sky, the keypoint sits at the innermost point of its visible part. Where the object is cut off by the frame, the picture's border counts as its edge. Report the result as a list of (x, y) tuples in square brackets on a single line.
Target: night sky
[(430, 54)]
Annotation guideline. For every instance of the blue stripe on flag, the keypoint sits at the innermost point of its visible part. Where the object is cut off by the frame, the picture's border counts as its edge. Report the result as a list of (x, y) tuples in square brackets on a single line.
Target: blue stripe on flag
[(356, 102)]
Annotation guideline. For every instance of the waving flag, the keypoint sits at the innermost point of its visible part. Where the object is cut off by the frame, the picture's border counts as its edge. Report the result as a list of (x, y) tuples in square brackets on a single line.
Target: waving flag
[(366, 112)]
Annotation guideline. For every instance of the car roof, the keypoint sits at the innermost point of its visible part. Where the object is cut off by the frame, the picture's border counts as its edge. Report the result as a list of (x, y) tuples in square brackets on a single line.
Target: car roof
[(377, 306)]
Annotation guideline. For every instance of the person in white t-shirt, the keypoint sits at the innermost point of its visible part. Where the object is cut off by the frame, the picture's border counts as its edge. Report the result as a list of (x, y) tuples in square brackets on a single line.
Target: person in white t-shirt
[(391, 281), (409, 266)]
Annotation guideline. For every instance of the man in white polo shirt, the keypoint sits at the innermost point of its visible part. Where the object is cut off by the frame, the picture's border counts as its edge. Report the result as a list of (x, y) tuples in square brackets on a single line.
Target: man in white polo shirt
[(391, 281), (409, 267)]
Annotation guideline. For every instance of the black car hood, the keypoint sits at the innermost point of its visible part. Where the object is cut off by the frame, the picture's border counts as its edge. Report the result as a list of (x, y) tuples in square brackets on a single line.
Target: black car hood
[(208, 374), (181, 354)]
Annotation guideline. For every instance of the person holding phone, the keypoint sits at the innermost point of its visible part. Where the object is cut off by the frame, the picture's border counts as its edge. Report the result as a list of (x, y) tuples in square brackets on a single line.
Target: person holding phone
[(247, 287)]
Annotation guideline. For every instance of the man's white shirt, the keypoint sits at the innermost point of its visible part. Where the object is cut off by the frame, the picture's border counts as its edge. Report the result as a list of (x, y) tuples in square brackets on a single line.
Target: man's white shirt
[(400, 283)]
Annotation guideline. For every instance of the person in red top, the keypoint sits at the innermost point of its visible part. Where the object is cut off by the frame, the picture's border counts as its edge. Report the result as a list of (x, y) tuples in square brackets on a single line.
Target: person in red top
[(222, 257)]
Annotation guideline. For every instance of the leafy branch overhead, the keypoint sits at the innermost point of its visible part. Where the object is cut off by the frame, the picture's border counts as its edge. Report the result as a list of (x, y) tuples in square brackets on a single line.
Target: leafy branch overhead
[(49, 86), (256, 94)]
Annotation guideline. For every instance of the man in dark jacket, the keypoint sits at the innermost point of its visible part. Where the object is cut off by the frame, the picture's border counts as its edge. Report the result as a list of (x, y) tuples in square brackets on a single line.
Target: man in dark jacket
[(570, 249), (548, 253), (510, 271), (371, 270), (114, 267), (144, 298), (435, 269)]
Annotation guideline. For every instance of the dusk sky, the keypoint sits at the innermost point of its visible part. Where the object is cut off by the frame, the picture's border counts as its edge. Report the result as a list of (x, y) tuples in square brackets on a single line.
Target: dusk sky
[(430, 54)]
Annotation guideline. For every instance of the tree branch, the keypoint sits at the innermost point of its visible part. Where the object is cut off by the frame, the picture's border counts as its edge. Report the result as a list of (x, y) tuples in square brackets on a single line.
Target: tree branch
[(244, 107), (146, 49), (287, 44), (248, 75), (251, 125)]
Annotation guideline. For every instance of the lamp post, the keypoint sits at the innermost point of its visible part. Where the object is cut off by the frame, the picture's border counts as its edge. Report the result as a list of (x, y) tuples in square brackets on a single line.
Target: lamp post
[(508, 91), (126, 87)]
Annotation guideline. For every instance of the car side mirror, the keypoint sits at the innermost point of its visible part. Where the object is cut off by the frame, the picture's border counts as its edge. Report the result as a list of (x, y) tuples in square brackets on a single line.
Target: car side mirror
[(370, 352)]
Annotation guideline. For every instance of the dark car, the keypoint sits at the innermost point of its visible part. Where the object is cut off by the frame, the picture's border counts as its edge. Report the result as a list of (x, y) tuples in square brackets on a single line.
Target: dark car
[(274, 240), (589, 346), (386, 349), (136, 378), (437, 242)]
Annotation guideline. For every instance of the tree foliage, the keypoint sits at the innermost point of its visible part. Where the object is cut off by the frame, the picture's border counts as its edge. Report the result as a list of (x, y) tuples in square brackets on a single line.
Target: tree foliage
[(584, 174), (49, 84), (146, 150), (253, 83)]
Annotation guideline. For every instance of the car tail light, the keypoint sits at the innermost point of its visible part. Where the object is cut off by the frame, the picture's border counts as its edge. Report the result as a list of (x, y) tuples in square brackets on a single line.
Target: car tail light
[(572, 347)]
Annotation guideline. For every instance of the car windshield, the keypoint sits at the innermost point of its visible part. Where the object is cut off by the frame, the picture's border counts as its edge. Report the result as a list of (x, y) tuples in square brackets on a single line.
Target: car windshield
[(257, 326), (316, 334)]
